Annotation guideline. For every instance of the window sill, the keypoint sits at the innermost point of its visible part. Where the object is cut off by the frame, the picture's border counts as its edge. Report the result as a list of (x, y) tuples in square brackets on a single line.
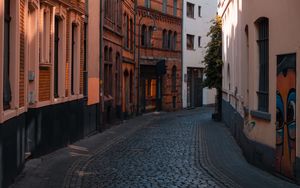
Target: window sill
[(261, 115)]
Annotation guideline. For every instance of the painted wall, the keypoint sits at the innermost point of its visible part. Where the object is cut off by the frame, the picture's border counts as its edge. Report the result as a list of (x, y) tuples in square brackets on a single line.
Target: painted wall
[(93, 51), (199, 26), (241, 60)]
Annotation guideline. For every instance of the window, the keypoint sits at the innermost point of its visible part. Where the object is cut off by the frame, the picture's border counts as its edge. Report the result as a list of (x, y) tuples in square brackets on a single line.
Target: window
[(46, 37), (174, 70), (199, 11), (73, 58), (56, 54), (165, 39), (169, 40), (150, 36), (144, 36), (263, 47), (190, 10), (85, 90), (174, 40), (174, 7), (105, 53), (110, 55), (164, 6), (128, 34), (147, 3), (6, 67), (126, 39), (199, 42), (190, 42), (131, 35)]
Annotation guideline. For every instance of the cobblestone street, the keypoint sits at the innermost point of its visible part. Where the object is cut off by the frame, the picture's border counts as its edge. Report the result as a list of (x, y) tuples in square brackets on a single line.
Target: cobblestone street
[(183, 149)]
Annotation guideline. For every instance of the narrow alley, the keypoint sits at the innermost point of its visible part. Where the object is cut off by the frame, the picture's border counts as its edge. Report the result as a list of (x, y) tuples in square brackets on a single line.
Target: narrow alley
[(181, 149)]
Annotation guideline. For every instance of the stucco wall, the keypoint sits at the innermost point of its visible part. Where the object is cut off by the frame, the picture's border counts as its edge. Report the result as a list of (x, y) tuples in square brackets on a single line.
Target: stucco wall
[(197, 26), (241, 60)]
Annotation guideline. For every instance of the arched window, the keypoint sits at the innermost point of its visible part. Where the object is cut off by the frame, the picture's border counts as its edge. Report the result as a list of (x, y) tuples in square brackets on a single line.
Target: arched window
[(169, 39), (174, 70), (105, 53), (144, 36), (164, 44), (262, 25), (110, 55), (150, 36), (174, 41)]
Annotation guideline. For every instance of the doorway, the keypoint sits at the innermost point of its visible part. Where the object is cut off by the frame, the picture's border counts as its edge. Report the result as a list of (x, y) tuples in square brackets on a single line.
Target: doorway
[(194, 87)]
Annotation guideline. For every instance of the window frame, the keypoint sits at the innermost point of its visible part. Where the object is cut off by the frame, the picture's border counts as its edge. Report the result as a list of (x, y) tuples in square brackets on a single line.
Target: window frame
[(262, 25), (188, 7), (175, 7), (192, 46)]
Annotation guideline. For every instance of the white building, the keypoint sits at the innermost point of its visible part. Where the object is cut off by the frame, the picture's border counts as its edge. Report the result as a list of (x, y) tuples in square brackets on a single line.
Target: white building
[(197, 16)]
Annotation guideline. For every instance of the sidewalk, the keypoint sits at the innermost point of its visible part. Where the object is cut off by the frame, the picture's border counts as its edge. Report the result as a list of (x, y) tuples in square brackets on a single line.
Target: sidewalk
[(49, 170)]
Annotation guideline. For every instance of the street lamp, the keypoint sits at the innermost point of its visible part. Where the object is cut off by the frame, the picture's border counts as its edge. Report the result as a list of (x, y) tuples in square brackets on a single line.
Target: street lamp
[(139, 55)]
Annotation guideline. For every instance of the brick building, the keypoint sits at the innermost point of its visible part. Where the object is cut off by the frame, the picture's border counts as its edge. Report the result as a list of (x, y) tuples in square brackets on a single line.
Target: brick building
[(128, 74), (159, 26), (42, 79)]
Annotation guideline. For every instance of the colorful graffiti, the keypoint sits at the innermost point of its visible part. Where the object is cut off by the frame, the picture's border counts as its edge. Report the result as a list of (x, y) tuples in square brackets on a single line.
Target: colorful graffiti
[(286, 115)]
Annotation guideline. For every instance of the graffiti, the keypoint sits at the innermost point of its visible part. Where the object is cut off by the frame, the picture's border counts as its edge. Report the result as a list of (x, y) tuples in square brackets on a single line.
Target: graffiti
[(249, 125), (286, 115)]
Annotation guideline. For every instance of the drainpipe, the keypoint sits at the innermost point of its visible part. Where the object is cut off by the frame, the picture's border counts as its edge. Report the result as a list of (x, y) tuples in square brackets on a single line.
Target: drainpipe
[(101, 107), (182, 72), (134, 52)]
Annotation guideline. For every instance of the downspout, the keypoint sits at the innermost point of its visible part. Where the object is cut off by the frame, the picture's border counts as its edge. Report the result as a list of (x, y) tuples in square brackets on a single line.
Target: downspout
[(134, 51), (182, 72), (101, 107)]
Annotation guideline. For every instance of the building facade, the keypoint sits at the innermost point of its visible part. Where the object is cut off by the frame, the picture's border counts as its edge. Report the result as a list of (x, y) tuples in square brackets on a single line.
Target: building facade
[(128, 66), (159, 31), (197, 16), (260, 54), (42, 79)]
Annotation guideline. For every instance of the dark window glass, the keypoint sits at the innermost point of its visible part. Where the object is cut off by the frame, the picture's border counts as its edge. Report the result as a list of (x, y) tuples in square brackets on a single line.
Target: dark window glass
[(147, 3), (190, 10), (199, 11), (85, 61), (150, 36), (175, 7), (170, 40), (190, 42), (131, 35), (73, 58), (6, 56), (165, 39), (56, 55), (175, 41), (199, 41), (164, 9), (144, 36), (263, 46)]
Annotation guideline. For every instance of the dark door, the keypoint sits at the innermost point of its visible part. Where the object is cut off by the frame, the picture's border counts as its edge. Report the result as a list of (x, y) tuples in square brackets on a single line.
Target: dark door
[(198, 89)]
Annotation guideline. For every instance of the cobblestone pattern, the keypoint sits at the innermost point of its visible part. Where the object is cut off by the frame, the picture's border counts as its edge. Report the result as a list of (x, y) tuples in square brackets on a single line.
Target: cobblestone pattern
[(160, 155)]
